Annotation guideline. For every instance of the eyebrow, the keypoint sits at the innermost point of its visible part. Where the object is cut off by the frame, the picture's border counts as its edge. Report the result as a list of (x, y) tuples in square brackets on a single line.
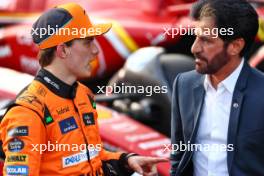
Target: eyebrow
[(89, 38), (205, 37)]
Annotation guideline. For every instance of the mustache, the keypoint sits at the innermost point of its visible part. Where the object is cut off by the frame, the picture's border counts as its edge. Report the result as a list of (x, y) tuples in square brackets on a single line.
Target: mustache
[(200, 57)]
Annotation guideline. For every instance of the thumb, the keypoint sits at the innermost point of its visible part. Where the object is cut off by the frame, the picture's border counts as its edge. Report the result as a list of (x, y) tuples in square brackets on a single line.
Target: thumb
[(138, 169)]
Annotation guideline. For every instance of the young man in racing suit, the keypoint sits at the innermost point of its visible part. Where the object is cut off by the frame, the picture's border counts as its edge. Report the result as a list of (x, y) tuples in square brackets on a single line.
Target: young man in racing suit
[(52, 128)]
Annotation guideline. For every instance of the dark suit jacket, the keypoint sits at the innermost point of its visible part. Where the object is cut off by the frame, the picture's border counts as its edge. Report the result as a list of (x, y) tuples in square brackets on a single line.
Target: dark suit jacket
[(246, 124)]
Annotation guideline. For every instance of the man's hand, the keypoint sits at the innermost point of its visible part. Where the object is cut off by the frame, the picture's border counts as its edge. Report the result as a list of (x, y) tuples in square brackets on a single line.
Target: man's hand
[(145, 165)]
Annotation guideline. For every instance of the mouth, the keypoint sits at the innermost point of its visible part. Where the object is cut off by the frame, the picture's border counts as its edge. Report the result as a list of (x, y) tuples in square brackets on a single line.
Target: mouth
[(89, 66), (91, 61), (198, 61)]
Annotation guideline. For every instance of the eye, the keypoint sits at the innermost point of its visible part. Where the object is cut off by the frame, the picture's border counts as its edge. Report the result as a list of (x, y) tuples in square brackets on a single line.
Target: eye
[(88, 41), (205, 40)]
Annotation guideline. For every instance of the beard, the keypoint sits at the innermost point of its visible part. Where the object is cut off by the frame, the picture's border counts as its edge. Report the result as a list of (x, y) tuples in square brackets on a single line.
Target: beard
[(212, 66)]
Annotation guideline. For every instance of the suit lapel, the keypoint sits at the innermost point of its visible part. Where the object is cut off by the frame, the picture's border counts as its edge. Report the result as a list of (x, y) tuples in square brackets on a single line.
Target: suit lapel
[(236, 107), (198, 97)]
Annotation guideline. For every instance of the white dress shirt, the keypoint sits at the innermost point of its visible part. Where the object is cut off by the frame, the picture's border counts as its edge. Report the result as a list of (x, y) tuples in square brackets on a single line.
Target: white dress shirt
[(211, 159)]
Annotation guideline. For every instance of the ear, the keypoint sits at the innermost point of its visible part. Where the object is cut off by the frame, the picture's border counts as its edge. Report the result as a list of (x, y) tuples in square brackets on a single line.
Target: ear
[(236, 46), (61, 51)]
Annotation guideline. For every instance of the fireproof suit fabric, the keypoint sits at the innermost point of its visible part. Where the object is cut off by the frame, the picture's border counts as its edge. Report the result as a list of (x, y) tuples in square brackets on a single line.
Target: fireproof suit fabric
[(59, 118)]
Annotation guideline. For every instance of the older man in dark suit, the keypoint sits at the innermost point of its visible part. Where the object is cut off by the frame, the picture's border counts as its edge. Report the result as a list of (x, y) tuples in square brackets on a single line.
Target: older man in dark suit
[(218, 109)]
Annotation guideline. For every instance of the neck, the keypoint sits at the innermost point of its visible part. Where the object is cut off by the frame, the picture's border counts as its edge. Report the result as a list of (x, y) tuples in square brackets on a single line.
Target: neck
[(224, 72), (61, 73)]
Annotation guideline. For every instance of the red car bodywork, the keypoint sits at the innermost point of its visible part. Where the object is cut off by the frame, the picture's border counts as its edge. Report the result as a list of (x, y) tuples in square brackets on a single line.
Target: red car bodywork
[(136, 24)]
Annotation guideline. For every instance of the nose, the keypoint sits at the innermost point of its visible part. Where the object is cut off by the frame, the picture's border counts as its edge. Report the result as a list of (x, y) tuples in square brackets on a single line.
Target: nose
[(196, 46), (94, 48)]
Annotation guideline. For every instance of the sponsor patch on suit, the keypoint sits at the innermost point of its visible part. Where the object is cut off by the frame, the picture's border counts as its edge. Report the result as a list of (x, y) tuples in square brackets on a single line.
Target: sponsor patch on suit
[(17, 158), (18, 131), (68, 125), (15, 145), (78, 158), (17, 170), (88, 118)]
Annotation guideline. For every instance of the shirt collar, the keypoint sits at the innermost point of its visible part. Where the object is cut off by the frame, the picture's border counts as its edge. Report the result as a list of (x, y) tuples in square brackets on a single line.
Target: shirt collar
[(56, 85), (229, 82)]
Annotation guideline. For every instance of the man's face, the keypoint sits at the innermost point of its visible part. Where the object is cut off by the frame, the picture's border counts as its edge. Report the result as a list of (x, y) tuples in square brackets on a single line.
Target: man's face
[(208, 49), (81, 53)]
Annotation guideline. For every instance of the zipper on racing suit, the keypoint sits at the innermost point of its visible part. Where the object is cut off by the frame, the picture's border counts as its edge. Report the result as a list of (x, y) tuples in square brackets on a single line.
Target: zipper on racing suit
[(86, 141)]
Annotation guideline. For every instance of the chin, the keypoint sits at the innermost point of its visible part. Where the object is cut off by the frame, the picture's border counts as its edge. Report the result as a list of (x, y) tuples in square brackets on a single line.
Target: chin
[(198, 69), (201, 71), (84, 76)]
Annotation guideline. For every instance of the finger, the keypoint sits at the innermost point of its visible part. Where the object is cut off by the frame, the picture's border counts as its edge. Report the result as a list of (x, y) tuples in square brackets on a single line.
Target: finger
[(151, 171), (152, 160)]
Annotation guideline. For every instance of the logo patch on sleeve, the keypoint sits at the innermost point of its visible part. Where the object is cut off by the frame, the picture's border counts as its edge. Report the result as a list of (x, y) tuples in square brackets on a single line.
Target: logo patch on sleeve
[(18, 131), (15, 145), (17, 158), (88, 118), (17, 170), (67, 125)]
